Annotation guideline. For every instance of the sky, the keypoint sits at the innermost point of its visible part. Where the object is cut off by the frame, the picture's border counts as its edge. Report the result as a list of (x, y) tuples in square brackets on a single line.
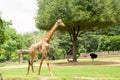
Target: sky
[(21, 12)]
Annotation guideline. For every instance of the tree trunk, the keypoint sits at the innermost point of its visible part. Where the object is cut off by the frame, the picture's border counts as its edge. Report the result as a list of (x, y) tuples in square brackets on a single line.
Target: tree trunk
[(74, 32), (74, 46)]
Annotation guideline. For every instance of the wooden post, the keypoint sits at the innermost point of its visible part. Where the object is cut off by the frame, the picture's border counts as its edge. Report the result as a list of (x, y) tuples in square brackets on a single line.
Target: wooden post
[(1, 78), (21, 58)]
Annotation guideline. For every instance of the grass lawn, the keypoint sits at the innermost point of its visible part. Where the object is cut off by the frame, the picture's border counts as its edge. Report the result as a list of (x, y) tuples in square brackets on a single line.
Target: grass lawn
[(68, 72), (63, 72)]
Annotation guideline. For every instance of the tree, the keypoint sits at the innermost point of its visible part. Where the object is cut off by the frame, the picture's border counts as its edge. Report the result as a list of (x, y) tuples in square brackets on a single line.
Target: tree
[(2, 39), (79, 16), (2, 32), (114, 43), (107, 37), (112, 31), (32, 37), (13, 41)]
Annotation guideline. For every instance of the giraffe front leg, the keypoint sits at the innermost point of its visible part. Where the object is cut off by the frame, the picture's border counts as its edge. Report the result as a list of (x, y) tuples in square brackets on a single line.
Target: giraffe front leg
[(30, 63), (47, 62), (28, 67), (42, 59), (32, 67)]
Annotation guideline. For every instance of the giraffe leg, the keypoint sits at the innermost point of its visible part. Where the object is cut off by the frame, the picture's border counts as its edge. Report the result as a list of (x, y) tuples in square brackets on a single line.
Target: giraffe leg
[(47, 62), (30, 63), (28, 67), (32, 67), (40, 65)]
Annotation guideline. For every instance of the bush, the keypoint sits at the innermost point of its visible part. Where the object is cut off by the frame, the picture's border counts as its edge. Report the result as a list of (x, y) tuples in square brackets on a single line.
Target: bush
[(2, 58), (14, 56)]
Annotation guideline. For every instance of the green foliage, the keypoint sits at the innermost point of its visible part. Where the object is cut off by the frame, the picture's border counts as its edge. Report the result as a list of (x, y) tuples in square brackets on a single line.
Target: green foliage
[(79, 16), (88, 14), (114, 30), (114, 42), (2, 58), (14, 56), (2, 32), (32, 37), (13, 42), (100, 40), (110, 40)]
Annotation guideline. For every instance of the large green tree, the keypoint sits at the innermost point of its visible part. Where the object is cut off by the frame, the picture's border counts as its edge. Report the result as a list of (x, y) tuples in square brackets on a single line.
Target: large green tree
[(79, 16)]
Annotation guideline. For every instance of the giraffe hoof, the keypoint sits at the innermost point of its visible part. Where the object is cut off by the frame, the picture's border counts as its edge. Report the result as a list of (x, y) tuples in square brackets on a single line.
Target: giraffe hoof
[(32, 73), (51, 74), (38, 73), (26, 74)]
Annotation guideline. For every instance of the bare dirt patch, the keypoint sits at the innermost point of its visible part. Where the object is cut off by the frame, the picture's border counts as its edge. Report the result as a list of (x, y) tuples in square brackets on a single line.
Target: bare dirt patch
[(87, 63), (109, 63), (20, 66)]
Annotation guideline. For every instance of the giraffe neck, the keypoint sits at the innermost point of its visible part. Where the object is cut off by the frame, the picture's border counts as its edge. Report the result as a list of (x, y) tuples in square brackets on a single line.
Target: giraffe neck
[(51, 32)]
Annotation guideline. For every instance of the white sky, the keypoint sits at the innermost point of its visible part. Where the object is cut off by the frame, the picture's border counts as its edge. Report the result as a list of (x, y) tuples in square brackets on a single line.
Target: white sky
[(21, 12)]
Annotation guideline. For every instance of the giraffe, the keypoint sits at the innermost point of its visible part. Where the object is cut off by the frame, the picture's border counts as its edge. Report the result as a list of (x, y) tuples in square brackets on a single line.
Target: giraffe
[(42, 46)]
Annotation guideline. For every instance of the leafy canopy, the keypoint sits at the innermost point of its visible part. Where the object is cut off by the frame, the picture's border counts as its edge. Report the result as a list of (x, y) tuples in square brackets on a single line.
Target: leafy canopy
[(80, 14)]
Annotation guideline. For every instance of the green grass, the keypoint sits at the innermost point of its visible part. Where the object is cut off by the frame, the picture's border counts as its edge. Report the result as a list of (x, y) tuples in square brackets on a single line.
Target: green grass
[(98, 72), (64, 72)]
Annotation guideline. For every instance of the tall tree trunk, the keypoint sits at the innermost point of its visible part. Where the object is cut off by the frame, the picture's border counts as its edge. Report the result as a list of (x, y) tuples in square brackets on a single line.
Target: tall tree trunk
[(74, 46), (74, 50), (74, 32)]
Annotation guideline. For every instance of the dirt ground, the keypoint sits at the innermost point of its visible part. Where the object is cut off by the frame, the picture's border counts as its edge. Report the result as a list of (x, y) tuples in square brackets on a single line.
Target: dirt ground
[(87, 63), (109, 63)]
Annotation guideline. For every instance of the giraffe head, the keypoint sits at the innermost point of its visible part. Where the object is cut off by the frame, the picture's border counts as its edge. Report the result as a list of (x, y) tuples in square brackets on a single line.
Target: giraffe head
[(60, 22)]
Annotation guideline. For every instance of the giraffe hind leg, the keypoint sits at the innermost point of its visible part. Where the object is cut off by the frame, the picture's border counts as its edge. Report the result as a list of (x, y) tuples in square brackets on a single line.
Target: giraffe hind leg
[(47, 62), (42, 59), (28, 67), (30, 63)]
